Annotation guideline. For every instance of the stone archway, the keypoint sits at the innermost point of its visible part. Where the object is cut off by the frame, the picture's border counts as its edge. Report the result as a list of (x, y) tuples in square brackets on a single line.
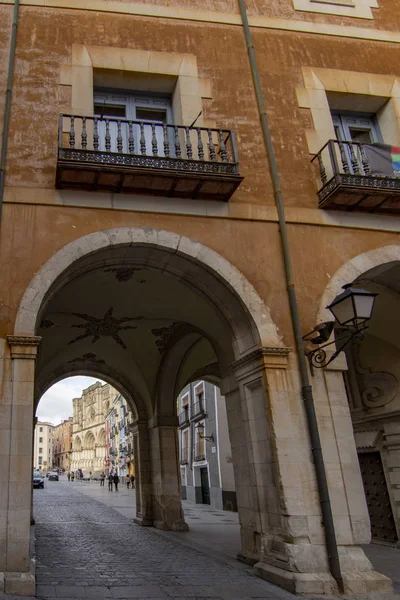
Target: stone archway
[(25, 323), (353, 270), (155, 308), (222, 293), (371, 373)]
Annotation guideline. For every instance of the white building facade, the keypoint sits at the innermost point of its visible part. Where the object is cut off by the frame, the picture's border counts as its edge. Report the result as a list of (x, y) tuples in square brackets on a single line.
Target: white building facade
[(43, 446), (204, 448)]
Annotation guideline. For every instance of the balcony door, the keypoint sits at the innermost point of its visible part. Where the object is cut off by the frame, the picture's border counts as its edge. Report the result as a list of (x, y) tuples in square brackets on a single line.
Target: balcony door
[(354, 128), (146, 109)]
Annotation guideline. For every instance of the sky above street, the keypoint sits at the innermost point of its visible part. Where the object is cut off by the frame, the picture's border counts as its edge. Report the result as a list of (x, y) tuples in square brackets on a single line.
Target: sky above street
[(56, 404)]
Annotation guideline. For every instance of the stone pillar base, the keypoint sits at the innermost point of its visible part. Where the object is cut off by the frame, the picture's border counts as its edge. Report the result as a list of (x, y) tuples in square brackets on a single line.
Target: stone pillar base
[(364, 582), (247, 560), (143, 522), (19, 584), (178, 525)]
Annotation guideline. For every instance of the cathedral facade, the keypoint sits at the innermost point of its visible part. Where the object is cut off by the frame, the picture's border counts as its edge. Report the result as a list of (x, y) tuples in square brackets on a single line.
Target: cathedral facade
[(89, 449)]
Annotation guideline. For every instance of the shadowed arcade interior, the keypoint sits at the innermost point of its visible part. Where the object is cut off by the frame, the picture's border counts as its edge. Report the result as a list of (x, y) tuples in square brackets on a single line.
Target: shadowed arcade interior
[(149, 321)]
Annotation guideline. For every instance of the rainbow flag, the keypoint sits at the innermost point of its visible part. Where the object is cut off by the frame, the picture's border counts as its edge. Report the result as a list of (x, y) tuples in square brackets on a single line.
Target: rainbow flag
[(383, 159)]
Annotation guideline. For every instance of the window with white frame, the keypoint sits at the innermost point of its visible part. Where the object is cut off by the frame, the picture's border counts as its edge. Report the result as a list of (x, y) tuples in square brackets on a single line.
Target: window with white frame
[(356, 127), (148, 110)]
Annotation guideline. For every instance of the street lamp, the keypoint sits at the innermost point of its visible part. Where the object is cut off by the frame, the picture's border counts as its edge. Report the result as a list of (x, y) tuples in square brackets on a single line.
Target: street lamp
[(200, 431), (353, 307), (351, 310)]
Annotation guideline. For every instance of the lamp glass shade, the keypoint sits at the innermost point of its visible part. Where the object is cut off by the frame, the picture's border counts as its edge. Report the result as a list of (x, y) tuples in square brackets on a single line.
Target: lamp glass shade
[(343, 311), (353, 307), (364, 306)]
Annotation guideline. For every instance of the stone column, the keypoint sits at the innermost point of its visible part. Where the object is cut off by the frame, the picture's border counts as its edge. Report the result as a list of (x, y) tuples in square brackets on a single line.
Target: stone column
[(166, 486), (17, 401), (279, 504), (253, 452), (144, 515)]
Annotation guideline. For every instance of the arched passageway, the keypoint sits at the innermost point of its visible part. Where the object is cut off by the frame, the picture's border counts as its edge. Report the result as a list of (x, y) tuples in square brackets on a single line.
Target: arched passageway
[(149, 311), (153, 311), (371, 377), (372, 381)]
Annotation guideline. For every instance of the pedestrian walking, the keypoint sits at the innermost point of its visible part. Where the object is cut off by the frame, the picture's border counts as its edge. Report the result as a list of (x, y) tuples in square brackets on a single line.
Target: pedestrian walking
[(102, 478), (69, 476), (90, 475), (128, 482), (132, 482), (110, 482), (72, 476), (116, 481)]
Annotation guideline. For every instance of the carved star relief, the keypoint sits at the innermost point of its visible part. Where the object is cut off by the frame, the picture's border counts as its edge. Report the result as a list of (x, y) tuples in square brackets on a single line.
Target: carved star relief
[(107, 326)]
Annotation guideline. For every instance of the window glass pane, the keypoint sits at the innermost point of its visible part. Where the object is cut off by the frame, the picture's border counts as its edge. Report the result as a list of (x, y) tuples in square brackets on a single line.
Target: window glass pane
[(147, 114), (110, 110), (363, 136)]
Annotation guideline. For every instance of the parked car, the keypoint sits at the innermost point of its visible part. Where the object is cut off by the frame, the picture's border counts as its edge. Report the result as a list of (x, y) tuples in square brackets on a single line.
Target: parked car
[(38, 480), (53, 476)]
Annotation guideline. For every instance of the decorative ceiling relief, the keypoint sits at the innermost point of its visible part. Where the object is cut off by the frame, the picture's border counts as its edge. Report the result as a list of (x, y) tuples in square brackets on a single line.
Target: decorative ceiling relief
[(122, 274), (107, 326), (164, 334), (376, 389), (89, 357), (46, 324)]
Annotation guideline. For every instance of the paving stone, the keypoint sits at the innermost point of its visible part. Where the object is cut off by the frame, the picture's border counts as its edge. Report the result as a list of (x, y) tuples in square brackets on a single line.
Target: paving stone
[(70, 591), (86, 549)]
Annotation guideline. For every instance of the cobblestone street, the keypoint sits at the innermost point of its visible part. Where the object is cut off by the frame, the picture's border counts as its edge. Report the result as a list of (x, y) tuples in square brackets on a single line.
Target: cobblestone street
[(86, 549)]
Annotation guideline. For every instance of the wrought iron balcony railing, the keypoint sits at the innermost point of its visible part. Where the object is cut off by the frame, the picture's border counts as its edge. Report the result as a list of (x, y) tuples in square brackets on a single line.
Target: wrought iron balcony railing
[(129, 156), (198, 410), (183, 417), (350, 181)]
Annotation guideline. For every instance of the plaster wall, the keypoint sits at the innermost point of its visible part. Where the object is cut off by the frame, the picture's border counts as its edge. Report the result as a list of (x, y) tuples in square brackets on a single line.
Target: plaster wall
[(38, 221)]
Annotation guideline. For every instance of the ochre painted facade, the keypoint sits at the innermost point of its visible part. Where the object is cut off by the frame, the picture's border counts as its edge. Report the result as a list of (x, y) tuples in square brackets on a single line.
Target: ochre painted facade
[(207, 277)]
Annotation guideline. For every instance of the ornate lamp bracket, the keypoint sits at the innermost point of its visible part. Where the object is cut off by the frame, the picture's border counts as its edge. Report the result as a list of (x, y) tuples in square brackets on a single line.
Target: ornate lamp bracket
[(318, 358)]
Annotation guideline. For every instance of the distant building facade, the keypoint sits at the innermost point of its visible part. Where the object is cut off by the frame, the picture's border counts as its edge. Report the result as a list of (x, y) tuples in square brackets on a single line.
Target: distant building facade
[(62, 446), (204, 449), (88, 428), (119, 438), (43, 446)]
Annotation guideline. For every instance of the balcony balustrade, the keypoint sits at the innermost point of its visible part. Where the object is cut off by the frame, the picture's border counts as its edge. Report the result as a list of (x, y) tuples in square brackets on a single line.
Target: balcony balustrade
[(119, 155), (198, 411), (183, 417), (350, 181)]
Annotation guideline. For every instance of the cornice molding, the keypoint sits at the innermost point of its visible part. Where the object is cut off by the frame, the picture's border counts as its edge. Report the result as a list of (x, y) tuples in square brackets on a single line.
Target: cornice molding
[(24, 347), (19, 340), (261, 353), (189, 14)]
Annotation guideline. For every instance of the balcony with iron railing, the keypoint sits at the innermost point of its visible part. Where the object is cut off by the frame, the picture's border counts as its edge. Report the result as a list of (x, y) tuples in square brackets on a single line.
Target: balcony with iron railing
[(127, 156), (198, 411), (183, 417), (357, 177)]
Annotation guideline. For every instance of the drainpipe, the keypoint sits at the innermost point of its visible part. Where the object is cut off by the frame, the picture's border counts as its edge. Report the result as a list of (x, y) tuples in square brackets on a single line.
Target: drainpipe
[(7, 107), (306, 389)]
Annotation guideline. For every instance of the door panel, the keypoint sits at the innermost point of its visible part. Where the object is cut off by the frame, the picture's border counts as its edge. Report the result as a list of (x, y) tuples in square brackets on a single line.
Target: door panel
[(116, 107), (205, 486), (140, 108), (379, 508)]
